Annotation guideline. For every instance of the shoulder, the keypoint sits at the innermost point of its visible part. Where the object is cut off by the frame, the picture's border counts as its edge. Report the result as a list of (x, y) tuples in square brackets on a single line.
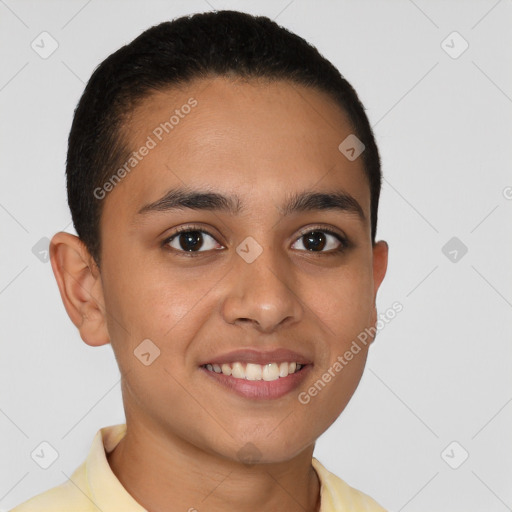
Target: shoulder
[(91, 487), (336, 494), (70, 495)]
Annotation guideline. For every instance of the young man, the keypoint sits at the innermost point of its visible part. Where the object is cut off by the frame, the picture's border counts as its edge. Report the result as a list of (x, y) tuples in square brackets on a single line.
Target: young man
[(224, 184)]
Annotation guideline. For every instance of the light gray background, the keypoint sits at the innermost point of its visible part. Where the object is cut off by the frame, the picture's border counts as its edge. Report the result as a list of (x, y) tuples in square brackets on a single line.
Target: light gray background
[(439, 372)]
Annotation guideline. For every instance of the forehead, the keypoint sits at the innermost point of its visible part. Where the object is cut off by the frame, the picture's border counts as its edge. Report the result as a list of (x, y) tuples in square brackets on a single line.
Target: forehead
[(255, 139)]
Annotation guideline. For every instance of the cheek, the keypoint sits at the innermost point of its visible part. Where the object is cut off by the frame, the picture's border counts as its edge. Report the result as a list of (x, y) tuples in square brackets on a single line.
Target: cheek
[(168, 310), (329, 392), (343, 303), (149, 300)]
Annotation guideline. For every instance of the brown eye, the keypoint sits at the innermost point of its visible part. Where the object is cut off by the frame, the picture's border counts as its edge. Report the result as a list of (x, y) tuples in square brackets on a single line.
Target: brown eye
[(318, 240), (192, 240)]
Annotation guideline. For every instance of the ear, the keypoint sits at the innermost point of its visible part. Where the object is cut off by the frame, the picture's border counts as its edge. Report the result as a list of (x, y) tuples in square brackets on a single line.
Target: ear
[(380, 265), (80, 286)]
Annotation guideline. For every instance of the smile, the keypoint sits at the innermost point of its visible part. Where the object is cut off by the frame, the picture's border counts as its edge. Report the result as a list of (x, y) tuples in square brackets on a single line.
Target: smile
[(251, 371)]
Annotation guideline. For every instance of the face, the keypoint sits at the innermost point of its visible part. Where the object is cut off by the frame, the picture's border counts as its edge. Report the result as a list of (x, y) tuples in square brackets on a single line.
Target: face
[(239, 281)]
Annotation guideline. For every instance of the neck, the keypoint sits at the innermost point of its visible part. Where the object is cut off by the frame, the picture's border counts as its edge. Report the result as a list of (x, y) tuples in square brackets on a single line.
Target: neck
[(158, 472)]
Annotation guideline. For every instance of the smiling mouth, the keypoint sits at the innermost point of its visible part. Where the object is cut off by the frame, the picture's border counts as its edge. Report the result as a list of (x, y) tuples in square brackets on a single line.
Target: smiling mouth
[(250, 371)]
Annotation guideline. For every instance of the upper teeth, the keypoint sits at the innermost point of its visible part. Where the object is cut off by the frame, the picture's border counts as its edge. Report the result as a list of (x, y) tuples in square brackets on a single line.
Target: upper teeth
[(270, 371)]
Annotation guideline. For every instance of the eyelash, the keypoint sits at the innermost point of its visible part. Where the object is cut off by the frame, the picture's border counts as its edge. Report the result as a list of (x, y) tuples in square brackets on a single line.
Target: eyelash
[(345, 244)]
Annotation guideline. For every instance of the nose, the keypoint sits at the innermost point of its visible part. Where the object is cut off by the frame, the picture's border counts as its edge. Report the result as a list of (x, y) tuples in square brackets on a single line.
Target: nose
[(261, 294)]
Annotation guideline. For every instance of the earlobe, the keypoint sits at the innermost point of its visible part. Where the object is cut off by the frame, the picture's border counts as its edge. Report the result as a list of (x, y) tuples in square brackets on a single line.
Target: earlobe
[(80, 286)]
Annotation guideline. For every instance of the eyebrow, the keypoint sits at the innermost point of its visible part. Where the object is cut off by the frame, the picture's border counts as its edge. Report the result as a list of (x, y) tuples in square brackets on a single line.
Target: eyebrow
[(184, 198)]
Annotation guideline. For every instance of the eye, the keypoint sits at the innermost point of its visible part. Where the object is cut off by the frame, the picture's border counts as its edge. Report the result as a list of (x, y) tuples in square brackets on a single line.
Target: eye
[(319, 239), (192, 240)]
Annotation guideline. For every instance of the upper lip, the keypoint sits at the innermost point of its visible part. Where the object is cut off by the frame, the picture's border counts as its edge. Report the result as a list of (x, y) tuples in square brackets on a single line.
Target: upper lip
[(256, 356)]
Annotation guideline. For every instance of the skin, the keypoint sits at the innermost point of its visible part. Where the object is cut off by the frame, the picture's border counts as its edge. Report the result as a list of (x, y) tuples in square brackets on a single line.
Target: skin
[(261, 142)]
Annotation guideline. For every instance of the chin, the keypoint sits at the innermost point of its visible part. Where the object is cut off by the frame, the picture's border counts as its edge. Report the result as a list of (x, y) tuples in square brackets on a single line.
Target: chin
[(266, 451)]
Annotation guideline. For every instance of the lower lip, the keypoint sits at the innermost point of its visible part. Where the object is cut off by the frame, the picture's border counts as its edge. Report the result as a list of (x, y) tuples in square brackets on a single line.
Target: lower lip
[(261, 389)]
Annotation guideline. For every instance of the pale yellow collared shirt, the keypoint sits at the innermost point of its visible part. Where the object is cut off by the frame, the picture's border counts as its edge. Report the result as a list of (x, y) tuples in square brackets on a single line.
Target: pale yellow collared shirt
[(94, 487)]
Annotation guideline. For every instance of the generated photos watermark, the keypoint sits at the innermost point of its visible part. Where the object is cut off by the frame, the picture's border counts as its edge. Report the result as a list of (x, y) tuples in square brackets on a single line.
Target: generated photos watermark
[(157, 135), (342, 360)]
